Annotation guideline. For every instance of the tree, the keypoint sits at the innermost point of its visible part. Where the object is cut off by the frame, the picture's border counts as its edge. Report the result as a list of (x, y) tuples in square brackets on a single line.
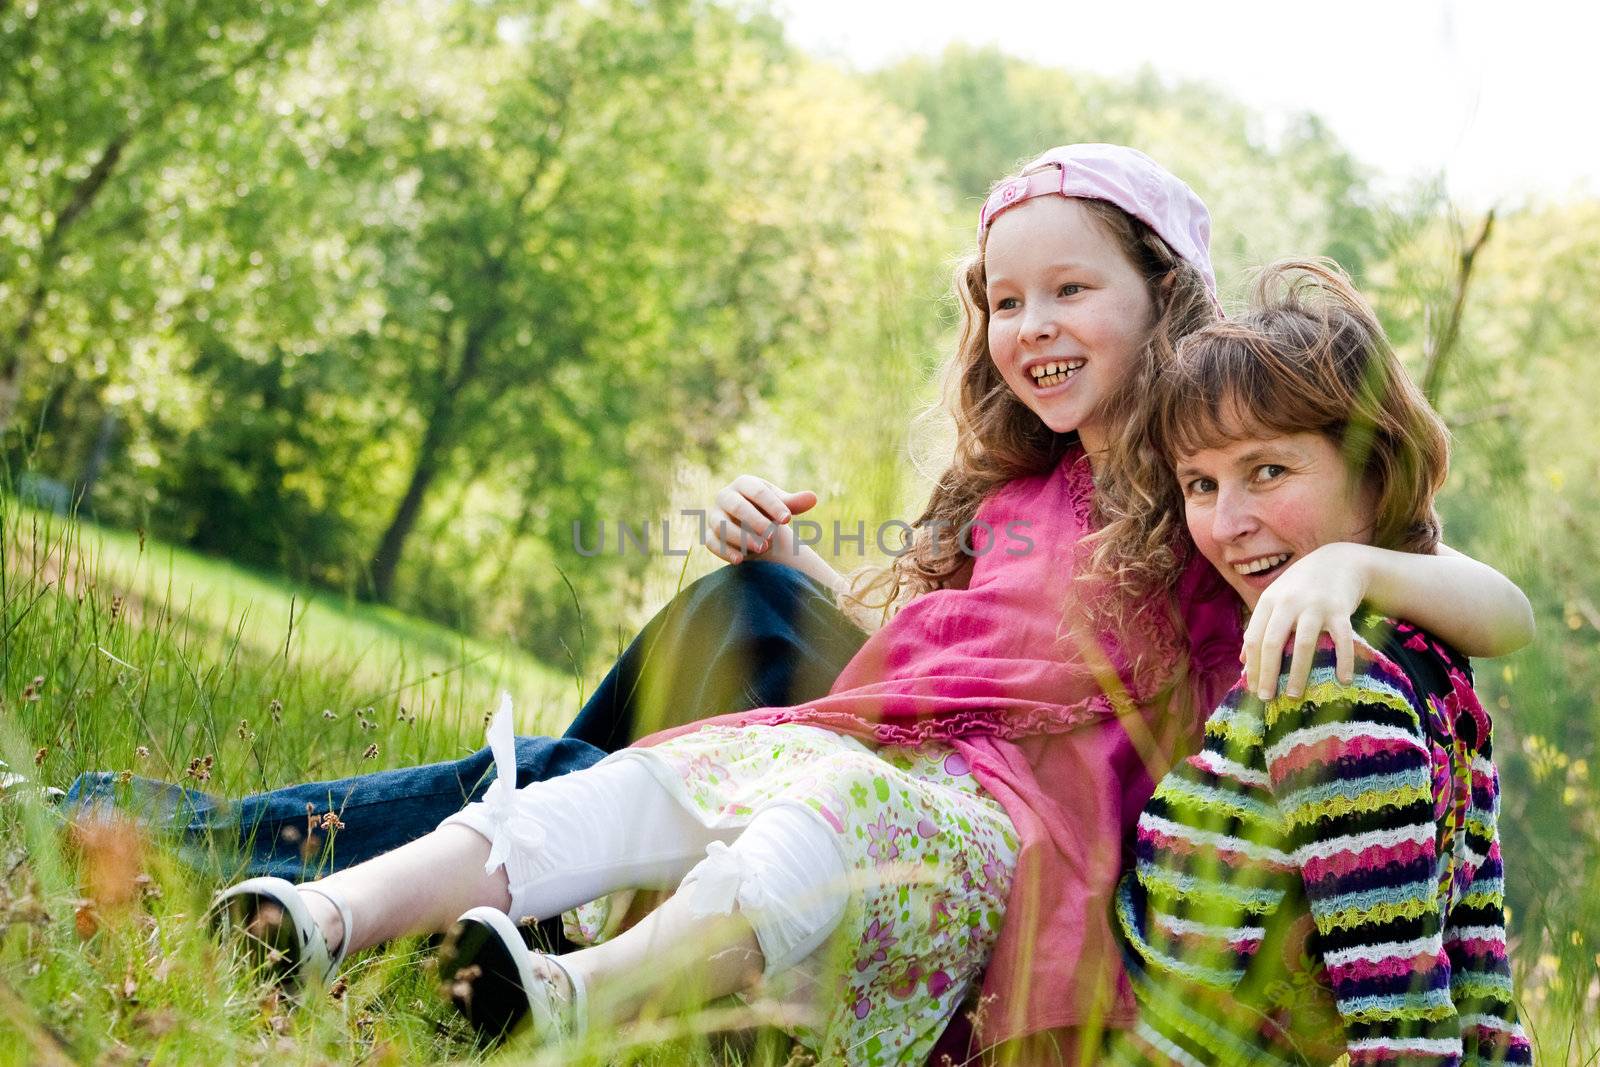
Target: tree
[(93, 101)]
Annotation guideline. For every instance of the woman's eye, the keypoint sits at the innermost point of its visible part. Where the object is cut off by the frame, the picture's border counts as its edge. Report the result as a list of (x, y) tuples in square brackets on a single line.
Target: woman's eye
[(1071, 290), (1007, 303), (1269, 471), (1200, 486)]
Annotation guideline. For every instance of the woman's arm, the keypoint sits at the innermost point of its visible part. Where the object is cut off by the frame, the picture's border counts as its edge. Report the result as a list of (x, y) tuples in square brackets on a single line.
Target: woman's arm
[(1469, 604)]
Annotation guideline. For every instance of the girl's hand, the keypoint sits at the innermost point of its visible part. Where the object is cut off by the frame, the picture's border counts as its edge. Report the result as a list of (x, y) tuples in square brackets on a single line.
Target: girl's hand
[(743, 513), (1316, 595)]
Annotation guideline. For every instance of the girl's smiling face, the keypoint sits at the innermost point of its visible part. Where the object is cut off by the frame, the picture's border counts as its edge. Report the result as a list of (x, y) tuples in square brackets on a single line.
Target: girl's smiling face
[(1255, 505), (1069, 314)]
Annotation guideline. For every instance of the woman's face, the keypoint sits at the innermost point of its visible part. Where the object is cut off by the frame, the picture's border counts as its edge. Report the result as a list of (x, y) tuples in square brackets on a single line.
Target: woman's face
[(1068, 313), (1256, 505)]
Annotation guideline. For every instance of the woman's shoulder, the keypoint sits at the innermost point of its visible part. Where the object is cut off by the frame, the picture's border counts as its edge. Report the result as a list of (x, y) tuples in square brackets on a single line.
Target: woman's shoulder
[(1430, 662), (1396, 663)]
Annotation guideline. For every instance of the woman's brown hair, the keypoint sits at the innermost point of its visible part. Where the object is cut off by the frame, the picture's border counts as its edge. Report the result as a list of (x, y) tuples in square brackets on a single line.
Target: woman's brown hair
[(1311, 356)]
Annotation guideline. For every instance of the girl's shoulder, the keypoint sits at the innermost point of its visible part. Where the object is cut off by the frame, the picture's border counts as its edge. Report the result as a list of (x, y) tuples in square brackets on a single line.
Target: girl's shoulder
[(1068, 488)]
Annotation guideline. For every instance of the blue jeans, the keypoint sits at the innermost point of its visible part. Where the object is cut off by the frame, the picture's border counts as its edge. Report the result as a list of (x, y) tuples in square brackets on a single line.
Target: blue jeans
[(756, 635)]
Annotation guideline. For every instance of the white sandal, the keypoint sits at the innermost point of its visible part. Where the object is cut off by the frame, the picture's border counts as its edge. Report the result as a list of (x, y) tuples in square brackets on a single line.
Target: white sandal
[(488, 972), (298, 953)]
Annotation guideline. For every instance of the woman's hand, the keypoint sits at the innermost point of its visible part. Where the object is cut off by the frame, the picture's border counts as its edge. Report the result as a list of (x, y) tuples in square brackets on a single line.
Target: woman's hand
[(749, 519), (1315, 595)]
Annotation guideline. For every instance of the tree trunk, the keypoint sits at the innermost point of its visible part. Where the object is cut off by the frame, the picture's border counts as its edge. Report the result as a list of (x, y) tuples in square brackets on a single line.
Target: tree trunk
[(83, 195), (1437, 347), (97, 458), (386, 560), (430, 453)]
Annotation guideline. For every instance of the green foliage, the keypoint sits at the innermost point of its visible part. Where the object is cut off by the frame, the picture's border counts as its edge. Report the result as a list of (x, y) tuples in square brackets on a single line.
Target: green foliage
[(1518, 391), (986, 113)]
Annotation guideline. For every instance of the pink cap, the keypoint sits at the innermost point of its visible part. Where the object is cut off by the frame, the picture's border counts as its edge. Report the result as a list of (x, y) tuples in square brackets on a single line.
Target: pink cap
[(1122, 176)]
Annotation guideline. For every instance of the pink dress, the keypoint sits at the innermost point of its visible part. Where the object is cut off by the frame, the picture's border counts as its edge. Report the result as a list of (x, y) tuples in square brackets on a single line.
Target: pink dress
[(1067, 728)]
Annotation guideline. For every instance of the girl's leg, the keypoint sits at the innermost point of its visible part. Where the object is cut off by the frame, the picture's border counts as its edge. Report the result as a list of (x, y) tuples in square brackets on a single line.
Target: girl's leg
[(753, 908), (570, 840), (418, 888), (674, 959)]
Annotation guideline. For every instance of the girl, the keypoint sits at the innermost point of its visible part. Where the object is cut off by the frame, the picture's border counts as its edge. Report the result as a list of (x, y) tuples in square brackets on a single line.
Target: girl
[(1324, 877), (983, 755)]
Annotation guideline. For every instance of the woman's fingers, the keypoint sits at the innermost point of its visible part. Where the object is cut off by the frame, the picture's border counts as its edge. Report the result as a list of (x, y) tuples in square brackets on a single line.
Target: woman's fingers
[(721, 548), (746, 519), (1255, 643)]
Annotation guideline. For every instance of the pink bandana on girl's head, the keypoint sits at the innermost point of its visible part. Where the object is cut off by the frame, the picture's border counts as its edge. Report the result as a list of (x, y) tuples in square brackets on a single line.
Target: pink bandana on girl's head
[(1122, 176)]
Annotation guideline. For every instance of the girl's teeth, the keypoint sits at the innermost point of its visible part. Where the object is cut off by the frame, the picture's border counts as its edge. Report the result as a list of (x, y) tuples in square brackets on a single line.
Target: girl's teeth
[(1054, 373)]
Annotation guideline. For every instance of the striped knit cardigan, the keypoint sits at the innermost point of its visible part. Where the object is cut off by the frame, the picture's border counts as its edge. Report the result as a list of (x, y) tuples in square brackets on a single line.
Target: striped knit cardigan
[(1324, 876)]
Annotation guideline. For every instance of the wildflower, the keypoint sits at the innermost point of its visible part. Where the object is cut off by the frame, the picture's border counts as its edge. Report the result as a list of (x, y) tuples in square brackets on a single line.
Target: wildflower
[(116, 607), (142, 752), (245, 733), (337, 990), (331, 821), (31, 691), (328, 713), (275, 709), (124, 777), (371, 752), (39, 756)]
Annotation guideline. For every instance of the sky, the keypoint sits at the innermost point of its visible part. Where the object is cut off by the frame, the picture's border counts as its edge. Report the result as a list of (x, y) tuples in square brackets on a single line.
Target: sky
[(1500, 99)]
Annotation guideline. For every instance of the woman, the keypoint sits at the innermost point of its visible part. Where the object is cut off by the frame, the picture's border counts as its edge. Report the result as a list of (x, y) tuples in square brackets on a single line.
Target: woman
[(1324, 877)]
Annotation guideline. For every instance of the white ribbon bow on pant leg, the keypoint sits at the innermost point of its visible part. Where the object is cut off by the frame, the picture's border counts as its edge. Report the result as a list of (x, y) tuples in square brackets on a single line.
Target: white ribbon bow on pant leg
[(511, 826)]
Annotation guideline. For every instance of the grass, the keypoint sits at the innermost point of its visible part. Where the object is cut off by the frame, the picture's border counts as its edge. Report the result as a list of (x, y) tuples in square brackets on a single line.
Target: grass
[(127, 657), (122, 656)]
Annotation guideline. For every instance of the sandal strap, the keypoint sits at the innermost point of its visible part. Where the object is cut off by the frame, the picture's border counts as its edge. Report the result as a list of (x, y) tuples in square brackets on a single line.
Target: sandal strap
[(578, 1009), (312, 957), (342, 906)]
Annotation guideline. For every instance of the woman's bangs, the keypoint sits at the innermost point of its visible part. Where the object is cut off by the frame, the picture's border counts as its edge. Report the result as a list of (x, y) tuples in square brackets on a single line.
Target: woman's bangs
[(1233, 388)]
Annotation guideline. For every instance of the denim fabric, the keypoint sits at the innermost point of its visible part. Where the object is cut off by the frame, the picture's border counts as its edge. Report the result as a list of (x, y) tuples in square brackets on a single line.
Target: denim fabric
[(758, 635), (755, 635)]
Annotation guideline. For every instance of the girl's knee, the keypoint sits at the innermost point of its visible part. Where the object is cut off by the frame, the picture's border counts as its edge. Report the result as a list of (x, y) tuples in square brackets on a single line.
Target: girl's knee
[(785, 875)]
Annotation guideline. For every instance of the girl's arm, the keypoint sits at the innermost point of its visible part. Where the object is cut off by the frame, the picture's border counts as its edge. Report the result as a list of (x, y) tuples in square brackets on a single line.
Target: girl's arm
[(1469, 604), (806, 561)]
